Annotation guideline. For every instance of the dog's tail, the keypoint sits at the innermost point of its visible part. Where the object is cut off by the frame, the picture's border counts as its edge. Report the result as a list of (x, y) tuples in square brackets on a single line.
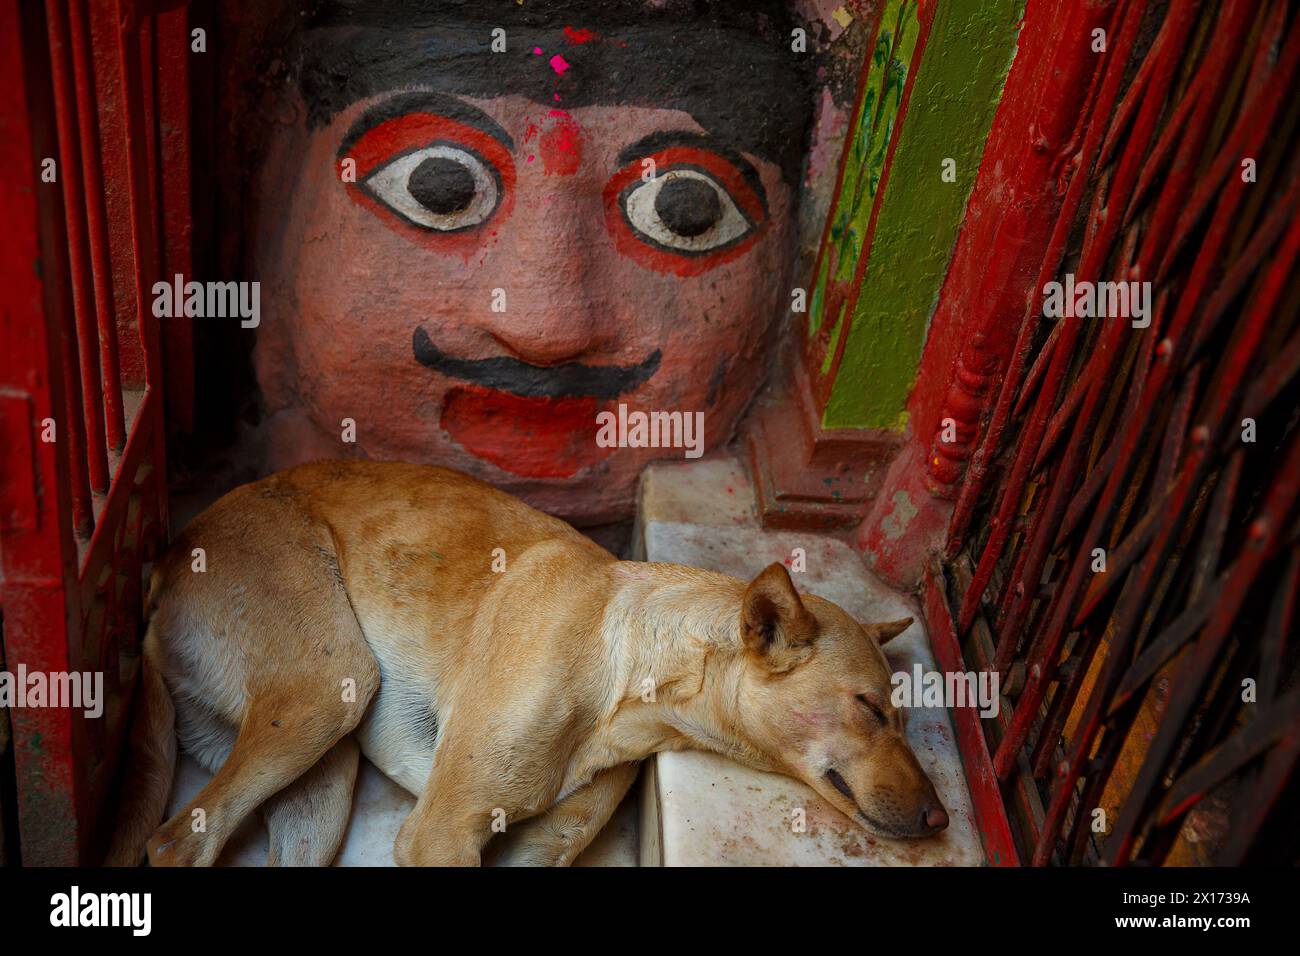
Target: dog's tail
[(150, 765)]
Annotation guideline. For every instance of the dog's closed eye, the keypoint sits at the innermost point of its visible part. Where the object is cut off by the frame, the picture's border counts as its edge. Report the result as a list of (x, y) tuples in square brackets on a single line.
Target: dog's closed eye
[(840, 784), (872, 707)]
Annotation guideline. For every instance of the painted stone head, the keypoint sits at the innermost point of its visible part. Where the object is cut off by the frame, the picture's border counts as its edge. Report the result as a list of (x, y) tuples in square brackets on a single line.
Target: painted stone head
[(480, 224)]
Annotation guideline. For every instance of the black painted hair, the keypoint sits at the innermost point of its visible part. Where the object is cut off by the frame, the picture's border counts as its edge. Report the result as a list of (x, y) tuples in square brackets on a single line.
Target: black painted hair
[(729, 63)]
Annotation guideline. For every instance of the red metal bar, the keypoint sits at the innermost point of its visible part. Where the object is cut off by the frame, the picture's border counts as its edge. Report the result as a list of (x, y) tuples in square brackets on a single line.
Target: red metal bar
[(1135, 424), (986, 795), (1169, 138), (70, 176), (1281, 621), (109, 46), (38, 552), (1230, 29), (131, 119), (174, 124), (1100, 473), (1271, 83), (1264, 791), (1131, 14), (1224, 384), (1225, 759), (1191, 675), (74, 430), (1247, 263), (1178, 22), (88, 124)]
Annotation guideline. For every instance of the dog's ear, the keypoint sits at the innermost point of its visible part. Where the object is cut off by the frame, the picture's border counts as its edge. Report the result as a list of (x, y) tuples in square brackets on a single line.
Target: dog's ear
[(776, 628), (882, 634)]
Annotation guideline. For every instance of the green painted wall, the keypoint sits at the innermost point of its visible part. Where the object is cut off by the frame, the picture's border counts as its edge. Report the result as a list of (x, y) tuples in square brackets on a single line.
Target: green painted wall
[(868, 144), (960, 79)]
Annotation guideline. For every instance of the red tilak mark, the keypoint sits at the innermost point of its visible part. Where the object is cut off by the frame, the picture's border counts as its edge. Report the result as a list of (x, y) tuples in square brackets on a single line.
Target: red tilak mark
[(561, 145), (579, 36), (533, 437)]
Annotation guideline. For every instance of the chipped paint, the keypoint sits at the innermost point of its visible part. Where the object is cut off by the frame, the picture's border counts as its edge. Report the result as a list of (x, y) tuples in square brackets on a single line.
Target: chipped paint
[(900, 516)]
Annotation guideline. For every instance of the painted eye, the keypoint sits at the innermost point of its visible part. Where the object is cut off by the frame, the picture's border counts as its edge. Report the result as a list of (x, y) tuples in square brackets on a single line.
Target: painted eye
[(684, 210), (442, 188)]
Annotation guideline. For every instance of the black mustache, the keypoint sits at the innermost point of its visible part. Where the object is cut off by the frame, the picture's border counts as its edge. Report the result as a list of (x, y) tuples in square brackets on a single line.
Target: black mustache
[(570, 380)]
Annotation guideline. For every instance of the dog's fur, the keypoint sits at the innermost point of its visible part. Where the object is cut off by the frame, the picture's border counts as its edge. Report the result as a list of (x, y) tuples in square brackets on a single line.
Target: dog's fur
[(351, 608)]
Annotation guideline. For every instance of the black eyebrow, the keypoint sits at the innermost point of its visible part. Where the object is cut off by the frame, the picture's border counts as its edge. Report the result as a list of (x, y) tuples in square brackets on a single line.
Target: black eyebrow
[(684, 137), (424, 101)]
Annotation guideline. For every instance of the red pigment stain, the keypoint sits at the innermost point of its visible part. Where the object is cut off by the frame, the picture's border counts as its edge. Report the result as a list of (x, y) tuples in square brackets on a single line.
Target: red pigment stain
[(533, 437), (561, 145), (559, 64), (579, 36)]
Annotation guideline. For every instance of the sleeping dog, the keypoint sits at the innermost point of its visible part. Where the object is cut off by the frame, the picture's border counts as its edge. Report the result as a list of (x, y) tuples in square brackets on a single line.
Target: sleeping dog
[(489, 659)]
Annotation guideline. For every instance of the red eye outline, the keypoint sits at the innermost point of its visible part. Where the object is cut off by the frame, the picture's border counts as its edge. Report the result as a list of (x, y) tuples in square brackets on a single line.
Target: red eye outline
[(391, 138), (683, 264)]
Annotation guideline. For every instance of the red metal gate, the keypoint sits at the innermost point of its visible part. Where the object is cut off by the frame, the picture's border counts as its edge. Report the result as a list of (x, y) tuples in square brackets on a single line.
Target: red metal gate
[(96, 153), (1125, 547)]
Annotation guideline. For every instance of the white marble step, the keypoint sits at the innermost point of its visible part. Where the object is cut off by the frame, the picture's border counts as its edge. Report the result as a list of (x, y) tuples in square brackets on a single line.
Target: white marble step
[(698, 809)]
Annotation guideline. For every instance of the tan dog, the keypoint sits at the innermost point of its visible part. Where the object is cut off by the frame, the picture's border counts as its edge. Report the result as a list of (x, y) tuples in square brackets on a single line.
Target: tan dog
[(362, 607)]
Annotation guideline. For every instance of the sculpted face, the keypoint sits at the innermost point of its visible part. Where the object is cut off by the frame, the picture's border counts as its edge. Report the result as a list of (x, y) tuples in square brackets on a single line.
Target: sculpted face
[(472, 254)]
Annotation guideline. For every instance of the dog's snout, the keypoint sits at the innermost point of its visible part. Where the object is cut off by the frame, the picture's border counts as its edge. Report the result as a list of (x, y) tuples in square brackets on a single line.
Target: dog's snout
[(934, 818)]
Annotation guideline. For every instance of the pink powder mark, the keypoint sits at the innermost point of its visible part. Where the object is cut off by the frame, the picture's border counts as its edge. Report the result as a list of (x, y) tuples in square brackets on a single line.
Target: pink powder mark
[(557, 97), (531, 158), (537, 51), (579, 36), (561, 145), (559, 64)]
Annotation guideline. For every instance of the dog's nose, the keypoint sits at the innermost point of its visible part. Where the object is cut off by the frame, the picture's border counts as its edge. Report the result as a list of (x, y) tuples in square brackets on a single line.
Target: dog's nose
[(934, 818)]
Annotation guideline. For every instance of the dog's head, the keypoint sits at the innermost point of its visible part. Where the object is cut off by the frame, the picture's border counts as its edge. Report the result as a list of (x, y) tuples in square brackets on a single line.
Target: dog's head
[(815, 700)]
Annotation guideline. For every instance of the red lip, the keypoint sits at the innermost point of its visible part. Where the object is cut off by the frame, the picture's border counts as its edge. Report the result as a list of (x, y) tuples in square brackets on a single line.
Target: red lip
[(533, 437)]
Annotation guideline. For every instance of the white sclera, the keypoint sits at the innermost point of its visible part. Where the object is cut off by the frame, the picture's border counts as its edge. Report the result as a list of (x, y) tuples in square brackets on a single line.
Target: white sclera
[(391, 185), (640, 208)]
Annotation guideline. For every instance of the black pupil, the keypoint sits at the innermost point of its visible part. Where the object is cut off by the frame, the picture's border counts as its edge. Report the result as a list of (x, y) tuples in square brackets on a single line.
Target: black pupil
[(442, 186), (688, 206)]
